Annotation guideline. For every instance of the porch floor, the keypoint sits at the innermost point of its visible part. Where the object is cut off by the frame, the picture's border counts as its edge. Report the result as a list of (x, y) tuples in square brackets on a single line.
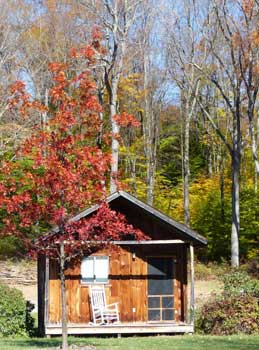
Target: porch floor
[(121, 328)]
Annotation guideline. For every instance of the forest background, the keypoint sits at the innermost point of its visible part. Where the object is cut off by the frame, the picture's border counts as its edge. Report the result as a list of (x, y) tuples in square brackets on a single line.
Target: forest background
[(187, 71)]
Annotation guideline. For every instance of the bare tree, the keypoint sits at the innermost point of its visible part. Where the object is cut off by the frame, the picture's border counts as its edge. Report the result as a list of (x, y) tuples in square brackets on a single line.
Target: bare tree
[(246, 39), (182, 39), (223, 72), (154, 79), (210, 56), (116, 18), (13, 25)]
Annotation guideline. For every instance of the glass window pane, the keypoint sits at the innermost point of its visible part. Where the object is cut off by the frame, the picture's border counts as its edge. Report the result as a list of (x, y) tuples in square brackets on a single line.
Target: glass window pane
[(154, 315), (87, 269), (154, 302), (101, 268), (167, 302), (168, 315)]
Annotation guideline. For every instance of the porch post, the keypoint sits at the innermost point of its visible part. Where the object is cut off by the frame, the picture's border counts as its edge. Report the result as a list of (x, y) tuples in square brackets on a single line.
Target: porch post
[(46, 303), (192, 284)]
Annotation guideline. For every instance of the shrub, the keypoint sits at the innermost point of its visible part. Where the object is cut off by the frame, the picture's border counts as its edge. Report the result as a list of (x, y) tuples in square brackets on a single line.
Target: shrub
[(238, 283), (236, 310), (10, 247), (252, 267), (15, 316), (230, 315), (209, 271)]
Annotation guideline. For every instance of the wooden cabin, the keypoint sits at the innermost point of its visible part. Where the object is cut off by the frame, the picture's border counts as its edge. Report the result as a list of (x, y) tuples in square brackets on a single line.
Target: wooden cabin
[(147, 278)]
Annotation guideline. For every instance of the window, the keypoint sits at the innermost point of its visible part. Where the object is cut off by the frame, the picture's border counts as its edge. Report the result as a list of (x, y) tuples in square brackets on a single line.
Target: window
[(95, 269)]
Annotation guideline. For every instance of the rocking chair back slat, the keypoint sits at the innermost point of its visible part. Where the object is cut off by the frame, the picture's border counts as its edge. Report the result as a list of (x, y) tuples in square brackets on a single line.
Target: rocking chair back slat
[(98, 297)]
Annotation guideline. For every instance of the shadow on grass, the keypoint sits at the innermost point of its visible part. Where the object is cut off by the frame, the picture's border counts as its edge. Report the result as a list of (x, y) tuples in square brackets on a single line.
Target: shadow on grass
[(41, 343), (30, 343)]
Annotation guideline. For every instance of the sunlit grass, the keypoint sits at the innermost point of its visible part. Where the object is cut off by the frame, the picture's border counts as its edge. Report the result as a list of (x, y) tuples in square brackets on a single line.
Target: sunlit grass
[(141, 343)]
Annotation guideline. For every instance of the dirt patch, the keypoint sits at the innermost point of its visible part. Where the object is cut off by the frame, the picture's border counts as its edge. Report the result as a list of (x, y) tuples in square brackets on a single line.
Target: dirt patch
[(21, 275), (18, 272), (204, 290)]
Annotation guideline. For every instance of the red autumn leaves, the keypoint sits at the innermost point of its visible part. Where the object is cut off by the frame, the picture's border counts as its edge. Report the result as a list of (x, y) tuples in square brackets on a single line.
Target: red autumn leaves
[(60, 169)]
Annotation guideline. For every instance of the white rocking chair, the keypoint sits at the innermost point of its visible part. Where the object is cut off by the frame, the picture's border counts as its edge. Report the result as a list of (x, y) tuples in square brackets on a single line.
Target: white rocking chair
[(102, 313)]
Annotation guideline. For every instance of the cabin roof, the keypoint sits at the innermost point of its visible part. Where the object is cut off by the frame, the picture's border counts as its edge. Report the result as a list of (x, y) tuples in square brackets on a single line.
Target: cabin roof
[(186, 233)]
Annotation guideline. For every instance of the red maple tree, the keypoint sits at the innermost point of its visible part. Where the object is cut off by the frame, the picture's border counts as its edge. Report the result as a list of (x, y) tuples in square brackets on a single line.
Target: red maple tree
[(60, 170)]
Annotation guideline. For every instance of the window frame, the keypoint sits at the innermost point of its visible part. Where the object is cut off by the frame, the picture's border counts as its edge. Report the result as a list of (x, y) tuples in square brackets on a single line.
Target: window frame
[(95, 280)]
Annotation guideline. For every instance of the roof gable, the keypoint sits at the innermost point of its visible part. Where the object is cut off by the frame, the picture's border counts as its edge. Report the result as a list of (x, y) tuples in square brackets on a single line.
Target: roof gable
[(116, 199)]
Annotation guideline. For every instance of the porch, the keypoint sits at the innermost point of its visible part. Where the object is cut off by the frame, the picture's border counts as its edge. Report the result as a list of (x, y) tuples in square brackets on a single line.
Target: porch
[(122, 328)]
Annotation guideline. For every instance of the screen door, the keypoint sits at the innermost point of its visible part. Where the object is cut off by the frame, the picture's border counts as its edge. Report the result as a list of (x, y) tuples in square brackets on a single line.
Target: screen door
[(160, 289)]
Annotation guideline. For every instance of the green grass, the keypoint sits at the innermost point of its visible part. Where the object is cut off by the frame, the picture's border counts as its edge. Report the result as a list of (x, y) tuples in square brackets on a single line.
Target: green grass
[(141, 343)]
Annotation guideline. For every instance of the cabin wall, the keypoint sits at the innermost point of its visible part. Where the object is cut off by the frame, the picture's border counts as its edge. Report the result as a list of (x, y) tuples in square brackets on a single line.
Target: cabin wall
[(127, 284)]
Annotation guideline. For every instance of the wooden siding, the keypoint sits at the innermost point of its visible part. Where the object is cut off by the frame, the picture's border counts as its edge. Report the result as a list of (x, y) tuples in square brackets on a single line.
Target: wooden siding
[(127, 284)]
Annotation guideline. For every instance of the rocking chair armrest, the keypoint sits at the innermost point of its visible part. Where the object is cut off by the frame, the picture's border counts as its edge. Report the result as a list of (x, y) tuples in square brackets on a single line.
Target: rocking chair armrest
[(112, 305)]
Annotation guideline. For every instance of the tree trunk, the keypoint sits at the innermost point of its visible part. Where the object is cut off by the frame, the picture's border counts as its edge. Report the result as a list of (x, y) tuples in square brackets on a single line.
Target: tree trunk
[(186, 167), (100, 133), (149, 132), (253, 137), (151, 179), (186, 164), (235, 213), (152, 155), (115, 143), (210, 169), (236, 158), (222, 187), (44, 114), (112, 89), (133, 174), (63, 297)]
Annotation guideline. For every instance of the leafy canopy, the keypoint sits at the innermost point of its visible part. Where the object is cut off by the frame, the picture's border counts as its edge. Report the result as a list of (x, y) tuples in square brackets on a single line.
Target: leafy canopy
[(60, 169)]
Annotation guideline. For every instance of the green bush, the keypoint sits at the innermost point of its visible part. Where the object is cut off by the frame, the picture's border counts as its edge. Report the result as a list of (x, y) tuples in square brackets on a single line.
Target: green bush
[(10, 247), (236, 310), (210, 271), (15, 316), (238, 283)]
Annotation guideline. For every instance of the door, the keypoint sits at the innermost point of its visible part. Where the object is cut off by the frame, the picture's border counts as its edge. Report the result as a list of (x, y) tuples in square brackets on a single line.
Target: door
[(160, 289)]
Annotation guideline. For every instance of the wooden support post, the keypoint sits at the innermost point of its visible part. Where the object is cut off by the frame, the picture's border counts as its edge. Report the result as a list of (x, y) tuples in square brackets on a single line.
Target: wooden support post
[(47, 291), (192, 285), (41, 276)]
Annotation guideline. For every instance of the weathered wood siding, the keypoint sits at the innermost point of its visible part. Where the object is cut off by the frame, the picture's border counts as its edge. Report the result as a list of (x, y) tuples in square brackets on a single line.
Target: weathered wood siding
[(127, 284)]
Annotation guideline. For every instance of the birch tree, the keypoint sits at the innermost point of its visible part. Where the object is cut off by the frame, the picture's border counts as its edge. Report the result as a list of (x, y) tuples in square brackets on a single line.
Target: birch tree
[(12, 27), (149, 44), (115, 18), (223, 72), (246, 39), (181, 56)]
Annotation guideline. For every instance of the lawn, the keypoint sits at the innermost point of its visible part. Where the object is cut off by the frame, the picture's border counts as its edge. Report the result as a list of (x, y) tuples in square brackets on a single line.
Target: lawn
[(141, 343)]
